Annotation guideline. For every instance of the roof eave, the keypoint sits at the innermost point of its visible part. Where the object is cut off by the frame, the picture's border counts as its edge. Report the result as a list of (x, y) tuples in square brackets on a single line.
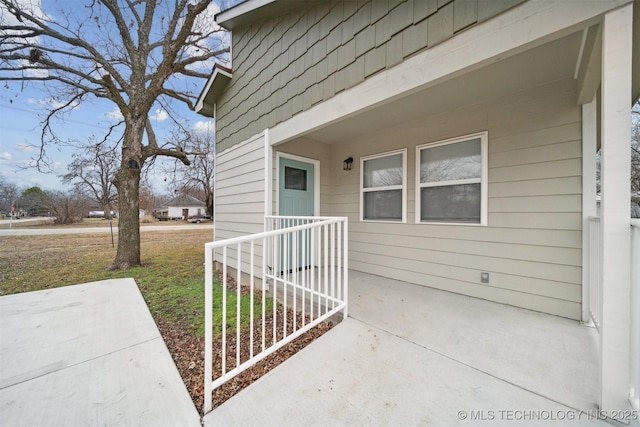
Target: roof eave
[(251, 11), (239, 13), (220, 77)]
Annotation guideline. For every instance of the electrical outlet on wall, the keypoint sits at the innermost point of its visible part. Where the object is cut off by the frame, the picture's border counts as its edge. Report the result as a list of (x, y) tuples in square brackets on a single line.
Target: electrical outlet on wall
[(484, 277)]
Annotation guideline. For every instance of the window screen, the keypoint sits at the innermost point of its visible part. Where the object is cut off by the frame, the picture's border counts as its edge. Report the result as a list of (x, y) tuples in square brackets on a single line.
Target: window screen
[(450, 180), (383, 187)]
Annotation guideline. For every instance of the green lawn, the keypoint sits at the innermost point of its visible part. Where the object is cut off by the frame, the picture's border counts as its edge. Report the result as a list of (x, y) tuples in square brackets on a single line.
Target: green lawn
[(171, 279)]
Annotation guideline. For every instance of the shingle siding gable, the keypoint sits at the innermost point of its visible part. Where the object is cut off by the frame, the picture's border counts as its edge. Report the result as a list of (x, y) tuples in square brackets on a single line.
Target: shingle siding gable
[(286, 64)]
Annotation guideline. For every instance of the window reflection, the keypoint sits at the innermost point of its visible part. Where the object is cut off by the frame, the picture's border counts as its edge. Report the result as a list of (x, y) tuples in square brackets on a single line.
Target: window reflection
[(451, 162), (295, 179)]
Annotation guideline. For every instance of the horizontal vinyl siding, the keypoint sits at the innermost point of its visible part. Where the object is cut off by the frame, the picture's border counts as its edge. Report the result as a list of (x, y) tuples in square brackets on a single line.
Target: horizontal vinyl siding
[(532, 246), (533, 302), (240, 189), (239, 199), (412, 260)]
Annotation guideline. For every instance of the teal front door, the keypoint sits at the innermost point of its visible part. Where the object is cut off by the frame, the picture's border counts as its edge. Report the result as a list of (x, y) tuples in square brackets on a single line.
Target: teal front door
[(296, 188), (295, 198)]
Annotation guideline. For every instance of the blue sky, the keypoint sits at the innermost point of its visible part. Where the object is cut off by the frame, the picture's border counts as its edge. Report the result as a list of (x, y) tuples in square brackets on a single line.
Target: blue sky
[(20, 130), (23, 108)]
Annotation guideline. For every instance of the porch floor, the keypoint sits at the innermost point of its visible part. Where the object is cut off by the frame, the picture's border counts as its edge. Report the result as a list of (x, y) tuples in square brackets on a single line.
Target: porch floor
[(410, 355)]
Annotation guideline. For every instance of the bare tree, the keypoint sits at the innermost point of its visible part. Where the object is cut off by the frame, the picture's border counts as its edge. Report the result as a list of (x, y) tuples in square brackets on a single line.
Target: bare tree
[(147, 198), (635, 149), (91, 172), (8, 194), (139, 55), (67, 207), (635, 161), (196, 179)]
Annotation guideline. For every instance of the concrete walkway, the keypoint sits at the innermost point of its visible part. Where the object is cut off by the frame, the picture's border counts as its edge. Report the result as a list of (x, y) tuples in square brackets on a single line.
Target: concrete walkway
[(87, 355), (410, 355)]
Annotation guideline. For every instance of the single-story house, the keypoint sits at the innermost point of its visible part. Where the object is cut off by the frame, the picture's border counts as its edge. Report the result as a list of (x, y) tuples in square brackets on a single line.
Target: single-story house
[(181, 207), (458, 137)]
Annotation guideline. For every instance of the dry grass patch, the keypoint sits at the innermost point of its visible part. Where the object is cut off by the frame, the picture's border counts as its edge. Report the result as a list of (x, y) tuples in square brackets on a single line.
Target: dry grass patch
[(30, 263)]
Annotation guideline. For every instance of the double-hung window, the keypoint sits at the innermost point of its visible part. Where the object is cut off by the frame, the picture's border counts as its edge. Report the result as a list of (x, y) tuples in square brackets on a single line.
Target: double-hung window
[(383, 187), (452, 181)]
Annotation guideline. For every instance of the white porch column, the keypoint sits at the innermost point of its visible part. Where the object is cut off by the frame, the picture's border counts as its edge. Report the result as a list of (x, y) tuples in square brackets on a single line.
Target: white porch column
[(616, 163), (268, 175), (589, 206)]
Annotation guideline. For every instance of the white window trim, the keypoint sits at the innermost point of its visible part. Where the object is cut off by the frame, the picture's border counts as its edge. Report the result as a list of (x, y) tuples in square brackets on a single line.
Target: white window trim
[(483, 180), (402, 187)]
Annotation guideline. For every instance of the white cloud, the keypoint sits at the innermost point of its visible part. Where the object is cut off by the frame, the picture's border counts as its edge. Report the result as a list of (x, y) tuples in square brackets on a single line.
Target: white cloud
[(33, 71), (34, 8), (31, 6), (59, 167), (6, 156), (25, 148), (51, 103), (160, 116), (205, 24), (31, 163), (207, 17), (115, 114), (205, 127)]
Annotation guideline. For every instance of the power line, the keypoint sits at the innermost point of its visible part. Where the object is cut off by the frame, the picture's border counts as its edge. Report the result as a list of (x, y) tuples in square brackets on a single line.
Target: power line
[(24, 110)]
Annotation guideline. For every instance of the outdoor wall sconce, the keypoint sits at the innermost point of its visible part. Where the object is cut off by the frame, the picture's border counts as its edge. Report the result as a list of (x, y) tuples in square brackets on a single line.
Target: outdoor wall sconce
[(346, 165)]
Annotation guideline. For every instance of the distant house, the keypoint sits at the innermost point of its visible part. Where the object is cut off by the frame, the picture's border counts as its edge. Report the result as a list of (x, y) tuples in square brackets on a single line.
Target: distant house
[(182, 207)]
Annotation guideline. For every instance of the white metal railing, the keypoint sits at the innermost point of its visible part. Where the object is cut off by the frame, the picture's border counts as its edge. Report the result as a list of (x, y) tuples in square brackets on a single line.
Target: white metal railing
[(595, 271), (634, 348), (303, 262)]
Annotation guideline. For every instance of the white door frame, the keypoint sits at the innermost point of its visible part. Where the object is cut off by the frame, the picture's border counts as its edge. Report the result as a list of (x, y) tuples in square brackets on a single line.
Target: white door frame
[(316, 179)]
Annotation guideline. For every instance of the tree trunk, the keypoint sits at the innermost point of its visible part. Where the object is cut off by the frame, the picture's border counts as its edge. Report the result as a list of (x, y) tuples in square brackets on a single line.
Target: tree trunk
[(128, 254), (106, 208), (127, 181), (209, 202)]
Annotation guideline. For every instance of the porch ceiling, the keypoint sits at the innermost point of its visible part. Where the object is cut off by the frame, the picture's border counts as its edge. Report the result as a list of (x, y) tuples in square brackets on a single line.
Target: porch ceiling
[(550, 62)]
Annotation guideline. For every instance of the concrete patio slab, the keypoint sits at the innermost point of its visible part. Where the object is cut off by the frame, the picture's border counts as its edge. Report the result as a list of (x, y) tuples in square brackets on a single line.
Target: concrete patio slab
[(87, 354), (548, 355), (361, 375), (409, 355)]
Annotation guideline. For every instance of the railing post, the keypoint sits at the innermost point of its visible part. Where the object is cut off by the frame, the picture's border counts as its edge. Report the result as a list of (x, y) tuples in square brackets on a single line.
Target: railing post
[(345, 266), (208, 327), (634, 394), (251, 302), (238, 297), (223, 323)]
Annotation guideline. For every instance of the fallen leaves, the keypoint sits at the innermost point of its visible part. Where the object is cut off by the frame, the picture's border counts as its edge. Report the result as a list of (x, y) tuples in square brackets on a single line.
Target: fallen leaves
[(187, 351)]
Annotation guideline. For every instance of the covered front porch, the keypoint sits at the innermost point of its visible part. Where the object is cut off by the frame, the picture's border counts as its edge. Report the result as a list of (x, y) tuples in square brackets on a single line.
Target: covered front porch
[(410, 355), (545, 99)]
